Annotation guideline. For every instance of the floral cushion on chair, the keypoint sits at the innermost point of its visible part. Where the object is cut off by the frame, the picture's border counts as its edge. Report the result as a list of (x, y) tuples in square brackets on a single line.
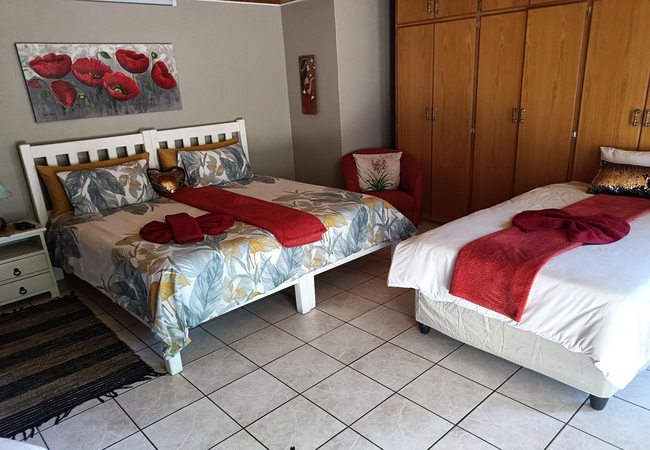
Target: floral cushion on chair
[(215, 167), (104, 188), (378, 172)]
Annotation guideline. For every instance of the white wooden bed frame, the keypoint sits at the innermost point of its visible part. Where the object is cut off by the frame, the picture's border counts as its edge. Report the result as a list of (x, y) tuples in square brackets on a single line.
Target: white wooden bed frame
[(74, 152)]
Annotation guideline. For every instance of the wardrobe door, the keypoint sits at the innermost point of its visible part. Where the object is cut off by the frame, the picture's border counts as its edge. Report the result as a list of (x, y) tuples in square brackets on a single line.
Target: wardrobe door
[(453, 100), (554, 43), (448, 8), (414, 10), (501, 57), (616, 82), (491, 5), (414, 97), (644, 145)]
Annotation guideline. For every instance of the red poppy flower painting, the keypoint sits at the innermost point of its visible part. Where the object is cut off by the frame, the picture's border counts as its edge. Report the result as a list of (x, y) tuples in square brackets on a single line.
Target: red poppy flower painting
[(64, 93), (120, 86), (132, 61), (90, 71), (161, 76), (51, 65), (78, 81)]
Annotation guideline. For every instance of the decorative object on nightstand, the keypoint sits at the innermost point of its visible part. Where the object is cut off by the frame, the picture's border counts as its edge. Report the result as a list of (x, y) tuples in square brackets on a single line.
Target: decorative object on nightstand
[(25, 267), (4, 193)]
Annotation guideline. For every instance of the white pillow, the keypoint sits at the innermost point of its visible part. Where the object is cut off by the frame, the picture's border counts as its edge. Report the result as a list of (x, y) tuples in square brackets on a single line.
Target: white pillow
[(378, 172), (632, 158)]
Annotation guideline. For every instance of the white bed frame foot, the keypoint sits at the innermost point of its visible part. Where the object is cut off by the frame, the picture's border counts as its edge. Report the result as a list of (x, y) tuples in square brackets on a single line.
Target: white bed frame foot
[(174, 366), (305, 294)]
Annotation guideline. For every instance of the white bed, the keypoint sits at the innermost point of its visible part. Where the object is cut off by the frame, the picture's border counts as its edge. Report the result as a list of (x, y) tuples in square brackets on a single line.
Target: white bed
[(587, 321), (123, 226)]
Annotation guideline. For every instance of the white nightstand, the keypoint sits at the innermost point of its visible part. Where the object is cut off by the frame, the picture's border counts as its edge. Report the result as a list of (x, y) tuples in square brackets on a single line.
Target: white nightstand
[(25, 267)]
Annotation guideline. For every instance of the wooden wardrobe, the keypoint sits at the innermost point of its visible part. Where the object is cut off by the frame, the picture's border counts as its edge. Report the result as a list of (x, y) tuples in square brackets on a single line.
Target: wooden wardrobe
[(498, 97)]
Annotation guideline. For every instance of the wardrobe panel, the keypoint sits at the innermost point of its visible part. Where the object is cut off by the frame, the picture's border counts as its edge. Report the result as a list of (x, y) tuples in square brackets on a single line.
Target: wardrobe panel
[(448, 8), (491, 5), (554, 44), (414, 55), (616, 82), (414, 10), (453, 100), (501, 57), (644, 145)]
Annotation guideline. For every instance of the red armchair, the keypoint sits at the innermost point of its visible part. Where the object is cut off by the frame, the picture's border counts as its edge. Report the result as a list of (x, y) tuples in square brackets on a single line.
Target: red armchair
[(407, 199)]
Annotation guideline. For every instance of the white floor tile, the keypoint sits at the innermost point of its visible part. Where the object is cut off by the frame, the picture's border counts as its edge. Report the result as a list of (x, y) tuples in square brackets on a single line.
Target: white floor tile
[(479, 366), (136, 441), (347, 343), (620, 423), (234, 325), (303, 368), (349, 440), (309, 326), (346, 306), (266, 345), (198, 426), (383, 322), (433, 346), (459, 439), (399, 424), (217, 369), (94, 429), (572, 439), (391, 366), (298, 423), (377, 290), (240, 441), (638, 391), (509, 425), (274, 308), (344, 277)]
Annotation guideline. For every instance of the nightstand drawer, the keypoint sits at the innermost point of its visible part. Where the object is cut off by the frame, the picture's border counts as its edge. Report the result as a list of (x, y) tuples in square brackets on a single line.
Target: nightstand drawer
[(21, 267), (25, 288)]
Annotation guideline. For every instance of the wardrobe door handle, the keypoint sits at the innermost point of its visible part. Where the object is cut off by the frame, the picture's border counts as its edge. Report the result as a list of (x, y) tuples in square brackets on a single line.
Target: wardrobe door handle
[(429, 10), (435, 7), (635, 120), (22, 291), (647, 119), (521, 115), (515, 111), (428, 114), (433, 114)]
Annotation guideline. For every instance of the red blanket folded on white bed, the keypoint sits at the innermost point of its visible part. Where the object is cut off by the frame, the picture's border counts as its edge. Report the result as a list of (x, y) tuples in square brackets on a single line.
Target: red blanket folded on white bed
[(498, 270)]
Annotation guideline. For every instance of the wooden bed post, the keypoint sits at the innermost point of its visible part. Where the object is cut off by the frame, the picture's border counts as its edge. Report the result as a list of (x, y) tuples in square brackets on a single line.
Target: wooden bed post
[(174, 366), (305, 293)]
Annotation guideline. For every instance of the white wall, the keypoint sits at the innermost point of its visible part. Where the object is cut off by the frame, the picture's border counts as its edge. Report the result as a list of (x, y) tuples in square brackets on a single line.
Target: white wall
[(230, 60)]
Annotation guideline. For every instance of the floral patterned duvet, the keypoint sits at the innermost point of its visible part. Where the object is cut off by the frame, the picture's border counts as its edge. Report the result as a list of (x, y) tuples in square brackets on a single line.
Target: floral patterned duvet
[(176, 287)]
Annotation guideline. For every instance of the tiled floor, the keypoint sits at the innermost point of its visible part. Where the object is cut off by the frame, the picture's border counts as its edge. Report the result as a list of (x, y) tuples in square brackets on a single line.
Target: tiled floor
[(355, 373)]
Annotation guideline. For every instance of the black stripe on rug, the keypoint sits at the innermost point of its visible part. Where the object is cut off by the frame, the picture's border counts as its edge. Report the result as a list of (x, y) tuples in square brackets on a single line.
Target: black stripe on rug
[(55, 357)]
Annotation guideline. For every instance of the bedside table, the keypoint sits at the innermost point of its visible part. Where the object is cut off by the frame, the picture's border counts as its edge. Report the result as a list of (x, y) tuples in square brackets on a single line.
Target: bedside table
[(25, 267)]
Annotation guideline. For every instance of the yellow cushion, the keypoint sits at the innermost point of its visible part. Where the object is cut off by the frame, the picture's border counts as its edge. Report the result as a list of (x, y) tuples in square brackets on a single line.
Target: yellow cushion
[(60, 202), (169, 156)]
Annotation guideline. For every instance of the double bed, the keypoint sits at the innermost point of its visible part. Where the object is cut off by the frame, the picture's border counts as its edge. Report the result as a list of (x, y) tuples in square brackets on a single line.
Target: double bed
[(587, 320), (172, 288)]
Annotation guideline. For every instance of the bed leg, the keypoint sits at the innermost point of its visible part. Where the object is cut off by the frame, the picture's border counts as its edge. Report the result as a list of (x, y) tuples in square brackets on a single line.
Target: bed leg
[(598, 403), (424, 329), (174, 366), (305, 294)]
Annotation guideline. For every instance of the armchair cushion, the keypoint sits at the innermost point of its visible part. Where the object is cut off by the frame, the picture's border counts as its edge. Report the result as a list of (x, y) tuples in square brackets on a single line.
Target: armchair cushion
[(399, 199), (378, 172)]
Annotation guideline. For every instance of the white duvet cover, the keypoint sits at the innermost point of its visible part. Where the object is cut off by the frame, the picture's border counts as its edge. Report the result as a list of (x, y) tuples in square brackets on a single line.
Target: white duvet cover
[(594, 299)]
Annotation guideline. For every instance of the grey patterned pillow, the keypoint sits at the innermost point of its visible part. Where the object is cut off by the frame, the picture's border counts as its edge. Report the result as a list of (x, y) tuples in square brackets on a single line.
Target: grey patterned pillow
[(215, 167), (105, 188)]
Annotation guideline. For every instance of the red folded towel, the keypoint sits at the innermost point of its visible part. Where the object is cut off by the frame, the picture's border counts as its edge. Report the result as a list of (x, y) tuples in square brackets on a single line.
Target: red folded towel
[(158, 232), (185, 228), (161, 233), (215, 223)]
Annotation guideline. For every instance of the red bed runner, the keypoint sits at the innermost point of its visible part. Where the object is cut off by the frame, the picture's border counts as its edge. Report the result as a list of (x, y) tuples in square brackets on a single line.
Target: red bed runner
[(291, 227), (497, 271)]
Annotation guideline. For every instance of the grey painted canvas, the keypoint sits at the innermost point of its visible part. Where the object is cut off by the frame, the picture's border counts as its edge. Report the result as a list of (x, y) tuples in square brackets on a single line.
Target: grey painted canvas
[(78, 81)]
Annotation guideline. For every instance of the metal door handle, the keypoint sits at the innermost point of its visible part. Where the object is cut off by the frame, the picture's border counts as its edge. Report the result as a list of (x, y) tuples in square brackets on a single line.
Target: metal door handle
[(22, 291), (647, 119), (428, 114), (514, 115), (521, 115), (433, 115), (635, 120), (429, 10), (435, 7), (17, 272)]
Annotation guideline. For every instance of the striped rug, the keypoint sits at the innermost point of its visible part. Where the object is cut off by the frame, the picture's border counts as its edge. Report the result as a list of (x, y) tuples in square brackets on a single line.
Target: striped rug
[(56, 356)]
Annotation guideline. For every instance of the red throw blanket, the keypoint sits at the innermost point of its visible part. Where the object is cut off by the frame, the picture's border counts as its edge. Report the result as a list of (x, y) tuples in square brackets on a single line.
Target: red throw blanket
[(291, 227), (497, 271), (161, 233)]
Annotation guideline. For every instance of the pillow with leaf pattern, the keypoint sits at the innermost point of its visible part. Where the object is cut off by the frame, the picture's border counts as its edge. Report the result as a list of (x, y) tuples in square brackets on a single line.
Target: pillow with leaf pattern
[(378, 172), (103, 188), (215, 167)]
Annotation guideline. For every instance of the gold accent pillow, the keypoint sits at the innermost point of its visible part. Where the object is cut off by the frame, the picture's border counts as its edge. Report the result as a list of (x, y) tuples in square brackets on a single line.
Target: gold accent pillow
[(169, 156), (60, 202), (622, 179)]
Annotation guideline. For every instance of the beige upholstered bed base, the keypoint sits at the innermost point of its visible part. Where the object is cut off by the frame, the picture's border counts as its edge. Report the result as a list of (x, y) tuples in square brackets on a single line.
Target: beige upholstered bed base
[(515, 345)]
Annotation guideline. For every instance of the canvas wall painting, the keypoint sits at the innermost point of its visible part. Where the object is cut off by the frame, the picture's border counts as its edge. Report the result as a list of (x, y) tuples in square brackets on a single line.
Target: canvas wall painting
[(78, 81), (308, 84)]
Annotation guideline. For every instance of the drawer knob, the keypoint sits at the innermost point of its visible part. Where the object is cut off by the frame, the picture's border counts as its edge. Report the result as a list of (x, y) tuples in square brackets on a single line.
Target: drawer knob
[(17, 272), (22, 291)]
